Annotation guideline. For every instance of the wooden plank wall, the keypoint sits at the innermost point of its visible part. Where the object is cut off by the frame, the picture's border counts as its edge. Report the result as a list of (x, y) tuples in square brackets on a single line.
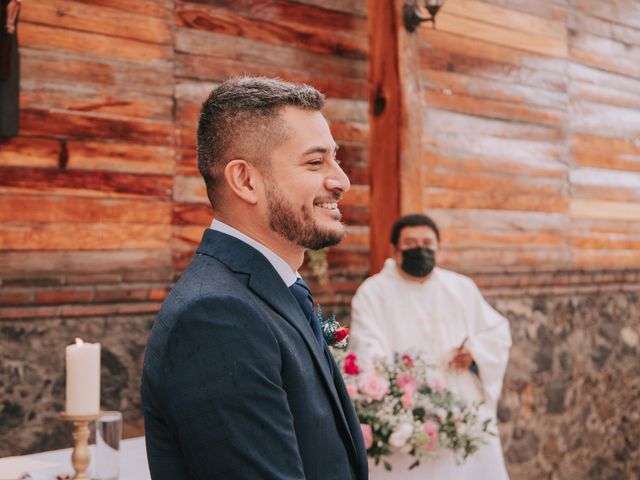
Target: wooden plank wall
[(92, 170), (102, 178), (604, 49), (530, 143), (531, 155)]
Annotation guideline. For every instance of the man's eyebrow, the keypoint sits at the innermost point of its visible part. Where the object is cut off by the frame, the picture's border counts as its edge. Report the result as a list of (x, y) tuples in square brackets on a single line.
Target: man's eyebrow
[(320, 149)]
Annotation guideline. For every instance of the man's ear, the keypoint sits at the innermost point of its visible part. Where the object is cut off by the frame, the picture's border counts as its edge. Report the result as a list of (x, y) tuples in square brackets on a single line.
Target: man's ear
[(241, 177)]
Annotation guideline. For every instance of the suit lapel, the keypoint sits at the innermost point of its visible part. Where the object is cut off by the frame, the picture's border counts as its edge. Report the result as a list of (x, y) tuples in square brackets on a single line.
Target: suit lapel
[(265, 282)]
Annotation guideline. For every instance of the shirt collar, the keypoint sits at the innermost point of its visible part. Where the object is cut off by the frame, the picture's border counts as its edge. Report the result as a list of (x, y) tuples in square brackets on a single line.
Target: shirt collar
[(284, 270)]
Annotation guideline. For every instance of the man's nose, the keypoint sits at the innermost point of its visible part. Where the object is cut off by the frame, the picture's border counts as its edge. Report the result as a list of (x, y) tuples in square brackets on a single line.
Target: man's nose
[(337, 179)]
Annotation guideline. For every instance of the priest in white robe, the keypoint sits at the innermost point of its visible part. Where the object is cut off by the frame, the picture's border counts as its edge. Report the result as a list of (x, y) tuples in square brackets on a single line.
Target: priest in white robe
[(410, 306)]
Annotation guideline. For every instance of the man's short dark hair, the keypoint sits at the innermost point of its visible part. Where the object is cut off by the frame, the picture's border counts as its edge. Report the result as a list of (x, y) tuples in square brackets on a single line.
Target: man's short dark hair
[(414, 220), (240, 120)]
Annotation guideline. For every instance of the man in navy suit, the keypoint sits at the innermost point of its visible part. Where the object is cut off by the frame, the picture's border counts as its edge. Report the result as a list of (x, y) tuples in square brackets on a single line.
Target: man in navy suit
[(238, 382)]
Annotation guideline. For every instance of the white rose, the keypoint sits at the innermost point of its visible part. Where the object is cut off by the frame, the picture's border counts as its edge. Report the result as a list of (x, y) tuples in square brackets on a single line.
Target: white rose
[(401, 435)]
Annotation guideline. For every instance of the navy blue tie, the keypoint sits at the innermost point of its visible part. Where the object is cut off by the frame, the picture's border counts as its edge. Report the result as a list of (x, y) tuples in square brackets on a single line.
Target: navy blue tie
[(302, 294)]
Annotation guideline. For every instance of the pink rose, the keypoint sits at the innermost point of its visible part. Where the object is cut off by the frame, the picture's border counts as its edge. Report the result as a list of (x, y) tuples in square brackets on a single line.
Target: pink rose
[(436, 382), (352, 390), (407, 384), (406, 381), (407, 398), (367, 433), (373, 386), (431, 429)]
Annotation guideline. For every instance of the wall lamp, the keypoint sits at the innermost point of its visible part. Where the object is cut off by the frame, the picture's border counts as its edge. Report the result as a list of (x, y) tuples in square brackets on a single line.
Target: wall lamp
[(414, 16)]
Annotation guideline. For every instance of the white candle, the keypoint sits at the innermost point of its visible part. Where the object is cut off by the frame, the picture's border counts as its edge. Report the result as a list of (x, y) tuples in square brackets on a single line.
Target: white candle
[(83, 378)]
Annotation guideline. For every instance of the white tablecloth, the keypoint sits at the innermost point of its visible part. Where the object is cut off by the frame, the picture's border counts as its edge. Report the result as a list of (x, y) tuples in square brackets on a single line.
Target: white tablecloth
[(133, 462)]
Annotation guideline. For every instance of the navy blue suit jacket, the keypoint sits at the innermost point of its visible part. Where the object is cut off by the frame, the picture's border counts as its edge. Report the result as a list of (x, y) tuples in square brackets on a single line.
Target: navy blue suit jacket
[(234, 384)]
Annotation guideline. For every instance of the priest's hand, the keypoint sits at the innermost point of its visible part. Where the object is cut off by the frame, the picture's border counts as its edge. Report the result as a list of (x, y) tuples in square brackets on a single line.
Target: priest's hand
[(461, 359), (13, 9)]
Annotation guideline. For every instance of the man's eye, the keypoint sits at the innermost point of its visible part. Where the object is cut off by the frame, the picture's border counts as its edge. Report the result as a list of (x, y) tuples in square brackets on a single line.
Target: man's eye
[(317, 162)]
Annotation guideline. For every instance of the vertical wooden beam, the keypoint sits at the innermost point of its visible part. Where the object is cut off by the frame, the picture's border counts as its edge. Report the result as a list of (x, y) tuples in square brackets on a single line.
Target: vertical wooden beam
[(385, 91), (412, 180), (395, 115)]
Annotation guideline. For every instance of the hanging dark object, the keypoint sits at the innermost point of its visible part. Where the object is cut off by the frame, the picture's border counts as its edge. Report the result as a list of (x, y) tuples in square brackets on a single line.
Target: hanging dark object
[(9, 69), (414, 12)]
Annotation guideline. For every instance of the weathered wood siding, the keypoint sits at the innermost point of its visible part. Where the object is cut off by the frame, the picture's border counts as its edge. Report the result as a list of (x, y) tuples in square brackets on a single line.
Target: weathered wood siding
[(530, 142), (102, 179), (92, 170)]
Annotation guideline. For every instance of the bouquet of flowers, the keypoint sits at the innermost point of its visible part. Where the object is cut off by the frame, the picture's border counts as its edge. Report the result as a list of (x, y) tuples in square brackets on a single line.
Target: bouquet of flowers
[(404, 406)]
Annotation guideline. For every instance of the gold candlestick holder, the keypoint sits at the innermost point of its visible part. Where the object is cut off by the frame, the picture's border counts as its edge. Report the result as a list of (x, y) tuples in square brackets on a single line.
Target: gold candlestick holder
[(80, 457)]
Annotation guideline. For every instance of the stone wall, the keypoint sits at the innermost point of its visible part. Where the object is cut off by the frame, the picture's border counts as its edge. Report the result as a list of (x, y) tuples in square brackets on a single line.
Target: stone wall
[(32, 376), (571, 401)]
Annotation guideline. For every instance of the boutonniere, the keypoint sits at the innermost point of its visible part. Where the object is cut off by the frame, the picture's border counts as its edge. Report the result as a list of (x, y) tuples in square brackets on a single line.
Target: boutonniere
[(334, 334)]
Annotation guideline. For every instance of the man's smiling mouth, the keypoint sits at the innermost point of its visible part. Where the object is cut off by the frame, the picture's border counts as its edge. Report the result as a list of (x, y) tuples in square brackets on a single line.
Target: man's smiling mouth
[(327, 205)]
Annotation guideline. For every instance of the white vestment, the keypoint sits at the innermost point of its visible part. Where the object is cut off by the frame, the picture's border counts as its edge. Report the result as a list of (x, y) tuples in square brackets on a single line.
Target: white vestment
[(393, 315)]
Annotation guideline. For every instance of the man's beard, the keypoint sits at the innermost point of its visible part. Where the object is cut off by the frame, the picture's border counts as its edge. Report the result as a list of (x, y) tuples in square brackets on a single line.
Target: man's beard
[(298, 226)]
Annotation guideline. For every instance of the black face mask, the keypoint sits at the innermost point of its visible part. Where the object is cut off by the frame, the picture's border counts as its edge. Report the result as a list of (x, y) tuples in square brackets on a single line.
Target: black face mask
[(418, 262)]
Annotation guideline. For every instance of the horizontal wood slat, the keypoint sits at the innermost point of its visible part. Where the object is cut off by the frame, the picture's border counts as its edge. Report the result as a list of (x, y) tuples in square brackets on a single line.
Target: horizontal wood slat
[(302, 13), (93, 44), (74, 74), (86, 182), (77, 16), (72, 236), (149, 8), (77, 125), (85, 266), (273, 29), (475, 19), (256, 53), (217, 69), (493, 200), (26, 209)]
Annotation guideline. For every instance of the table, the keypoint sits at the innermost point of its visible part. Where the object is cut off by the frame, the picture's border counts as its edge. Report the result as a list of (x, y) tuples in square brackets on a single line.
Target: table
[(133, 462)]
